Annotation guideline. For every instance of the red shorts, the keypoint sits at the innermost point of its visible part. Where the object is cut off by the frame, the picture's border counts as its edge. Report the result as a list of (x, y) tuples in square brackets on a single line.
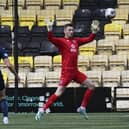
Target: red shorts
[(68, 75)]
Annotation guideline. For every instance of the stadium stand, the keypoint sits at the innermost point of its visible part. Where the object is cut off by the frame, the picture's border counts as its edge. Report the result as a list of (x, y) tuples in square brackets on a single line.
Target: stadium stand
[(47, 48), (105, 47), (88, 49), (41, 15), (113, 29), (11, 80), (35, 79), (118, 62), (96, 77), (125, 78), (83, 62), (123, 4), (111, 78), (99, 63), (52, 5), (25, 63), (126, 31), (34, 4), (122, 47), (57, 63), (52, 78), (121, 16), (27, 18), (105, 60), (23, 37), (42, 63), (71, 4)]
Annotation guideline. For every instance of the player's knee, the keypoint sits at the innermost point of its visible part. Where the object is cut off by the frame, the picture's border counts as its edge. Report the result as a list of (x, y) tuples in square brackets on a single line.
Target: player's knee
[(58, 94), (91, 86), (59, 91)]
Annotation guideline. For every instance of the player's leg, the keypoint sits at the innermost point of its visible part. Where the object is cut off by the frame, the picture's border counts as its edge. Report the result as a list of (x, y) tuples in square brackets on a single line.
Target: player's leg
[(4, 106), (66, 77), (3, 101), (50, 101), (88, 93), (82, 79)]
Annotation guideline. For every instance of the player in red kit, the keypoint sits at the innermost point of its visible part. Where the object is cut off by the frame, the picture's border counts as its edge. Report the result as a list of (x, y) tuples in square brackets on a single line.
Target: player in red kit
[(69, 46)]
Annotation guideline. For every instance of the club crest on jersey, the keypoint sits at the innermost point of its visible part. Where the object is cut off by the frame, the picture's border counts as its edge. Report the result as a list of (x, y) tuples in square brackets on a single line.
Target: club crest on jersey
[(74, 41), (73, 48)]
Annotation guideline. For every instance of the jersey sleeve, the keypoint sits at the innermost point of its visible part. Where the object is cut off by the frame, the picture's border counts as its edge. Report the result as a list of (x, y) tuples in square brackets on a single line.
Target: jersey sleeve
[(56, 41), (85, 40), (3, 53)]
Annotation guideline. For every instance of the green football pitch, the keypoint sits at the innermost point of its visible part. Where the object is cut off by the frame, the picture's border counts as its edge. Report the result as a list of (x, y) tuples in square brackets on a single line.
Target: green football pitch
[(67, 121)]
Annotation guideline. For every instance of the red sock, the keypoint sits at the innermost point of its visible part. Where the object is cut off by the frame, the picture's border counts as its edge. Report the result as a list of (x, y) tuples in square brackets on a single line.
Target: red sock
[(86, 97), (50, 101)]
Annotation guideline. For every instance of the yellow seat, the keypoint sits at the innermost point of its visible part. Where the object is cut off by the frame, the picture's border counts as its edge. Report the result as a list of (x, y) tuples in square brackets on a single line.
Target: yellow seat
[(63, 16), (126, 31), (83, 62), (7, 20), (44, 14), (34, 4), (71, 4), (27, 18), (10, 4), (118, 62), (42, 63), (3, 3), (57, 62), (89, 54), (125, 78), (113, 29), (25, 63), (52, 78), (111, 78), (90, 47), (123, 4), (27, 21), (122, 47), (105, 47), (121, 16), (11, 80), (95, 77), (52, 4), (35, 79), (99, 63)]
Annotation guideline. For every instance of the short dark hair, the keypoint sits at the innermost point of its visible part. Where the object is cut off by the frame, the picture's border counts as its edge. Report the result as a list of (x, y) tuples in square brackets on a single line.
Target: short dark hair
[(69, 24)]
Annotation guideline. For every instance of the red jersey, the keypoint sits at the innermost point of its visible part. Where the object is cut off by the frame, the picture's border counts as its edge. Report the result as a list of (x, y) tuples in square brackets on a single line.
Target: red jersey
[(69, 48)]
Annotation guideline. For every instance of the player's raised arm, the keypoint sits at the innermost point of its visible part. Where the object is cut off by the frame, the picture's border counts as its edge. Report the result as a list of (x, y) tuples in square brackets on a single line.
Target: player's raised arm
[(94, 29), (51, 37)]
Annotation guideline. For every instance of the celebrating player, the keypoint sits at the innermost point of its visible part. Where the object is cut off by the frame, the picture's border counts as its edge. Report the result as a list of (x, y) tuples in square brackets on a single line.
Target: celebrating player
[(68, 46), (3, 101)]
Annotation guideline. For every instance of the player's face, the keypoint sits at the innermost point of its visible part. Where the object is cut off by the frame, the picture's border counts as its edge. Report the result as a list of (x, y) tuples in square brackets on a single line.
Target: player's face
[(69, 30)]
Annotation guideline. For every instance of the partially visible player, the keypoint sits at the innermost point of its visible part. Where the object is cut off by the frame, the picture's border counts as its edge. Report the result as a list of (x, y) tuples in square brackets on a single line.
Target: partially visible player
[(3, 101), (68, 46)]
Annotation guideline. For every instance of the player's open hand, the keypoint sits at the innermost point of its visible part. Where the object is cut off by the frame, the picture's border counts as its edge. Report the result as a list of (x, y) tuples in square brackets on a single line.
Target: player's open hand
[(95, 26), (49, 24)]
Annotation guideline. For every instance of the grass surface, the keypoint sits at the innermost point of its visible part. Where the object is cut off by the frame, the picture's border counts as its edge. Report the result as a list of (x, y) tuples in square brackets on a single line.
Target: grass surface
[(67, 121)]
